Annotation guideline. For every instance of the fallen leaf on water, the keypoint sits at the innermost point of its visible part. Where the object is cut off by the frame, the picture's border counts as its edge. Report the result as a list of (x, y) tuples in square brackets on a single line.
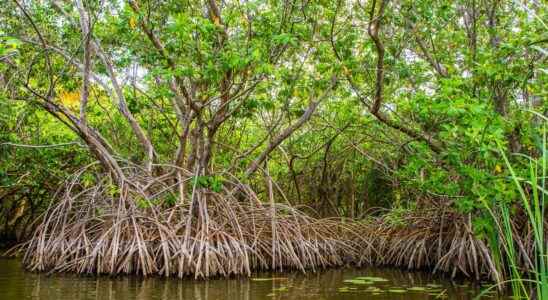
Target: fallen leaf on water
[(374, 279), (268, 279), (417, 288)]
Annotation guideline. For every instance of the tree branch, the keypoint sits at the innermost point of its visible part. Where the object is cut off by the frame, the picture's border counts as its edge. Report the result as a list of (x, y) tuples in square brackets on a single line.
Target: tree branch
[(373, 31), (85, 25), (277, 140)]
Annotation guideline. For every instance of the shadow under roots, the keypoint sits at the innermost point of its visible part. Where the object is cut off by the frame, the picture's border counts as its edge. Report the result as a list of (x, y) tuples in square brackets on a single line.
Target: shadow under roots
[(98, 230)]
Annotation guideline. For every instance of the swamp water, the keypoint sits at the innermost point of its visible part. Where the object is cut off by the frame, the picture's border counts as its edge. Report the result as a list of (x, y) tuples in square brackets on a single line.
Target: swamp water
[(331, 284)]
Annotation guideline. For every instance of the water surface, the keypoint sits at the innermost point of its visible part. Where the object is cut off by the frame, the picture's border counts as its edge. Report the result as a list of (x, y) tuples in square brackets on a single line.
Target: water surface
[(332, 284)]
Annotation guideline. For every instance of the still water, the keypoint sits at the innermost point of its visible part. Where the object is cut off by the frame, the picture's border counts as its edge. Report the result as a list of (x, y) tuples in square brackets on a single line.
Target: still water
[(332, 284)]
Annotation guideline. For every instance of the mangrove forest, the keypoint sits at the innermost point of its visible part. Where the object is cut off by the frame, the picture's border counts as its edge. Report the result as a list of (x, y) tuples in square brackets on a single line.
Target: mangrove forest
[(273, 149)]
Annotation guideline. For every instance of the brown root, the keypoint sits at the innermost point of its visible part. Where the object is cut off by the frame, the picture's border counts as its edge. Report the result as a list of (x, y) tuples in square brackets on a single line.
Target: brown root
[(109, 230), (440, 241)]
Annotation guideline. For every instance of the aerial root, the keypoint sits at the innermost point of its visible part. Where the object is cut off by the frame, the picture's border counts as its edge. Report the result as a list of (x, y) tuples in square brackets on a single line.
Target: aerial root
[(131, 230), (98, 230)]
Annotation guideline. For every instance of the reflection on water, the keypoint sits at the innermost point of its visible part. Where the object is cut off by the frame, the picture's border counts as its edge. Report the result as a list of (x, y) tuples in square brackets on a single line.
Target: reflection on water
[(330, 284)]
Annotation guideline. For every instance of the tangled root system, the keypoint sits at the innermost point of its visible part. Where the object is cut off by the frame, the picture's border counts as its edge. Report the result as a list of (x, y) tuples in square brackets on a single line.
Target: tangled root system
[(202, 233), (130, 229)]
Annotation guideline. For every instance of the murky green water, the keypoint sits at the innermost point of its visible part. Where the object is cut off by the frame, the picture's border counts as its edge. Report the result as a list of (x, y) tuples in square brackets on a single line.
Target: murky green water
[(16, 284)]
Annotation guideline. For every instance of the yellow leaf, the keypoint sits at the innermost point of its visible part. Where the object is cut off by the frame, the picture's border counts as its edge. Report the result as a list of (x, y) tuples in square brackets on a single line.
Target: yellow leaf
[(216, 20), (498, 169), (132, 23), (70, 99), (346, 71)]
